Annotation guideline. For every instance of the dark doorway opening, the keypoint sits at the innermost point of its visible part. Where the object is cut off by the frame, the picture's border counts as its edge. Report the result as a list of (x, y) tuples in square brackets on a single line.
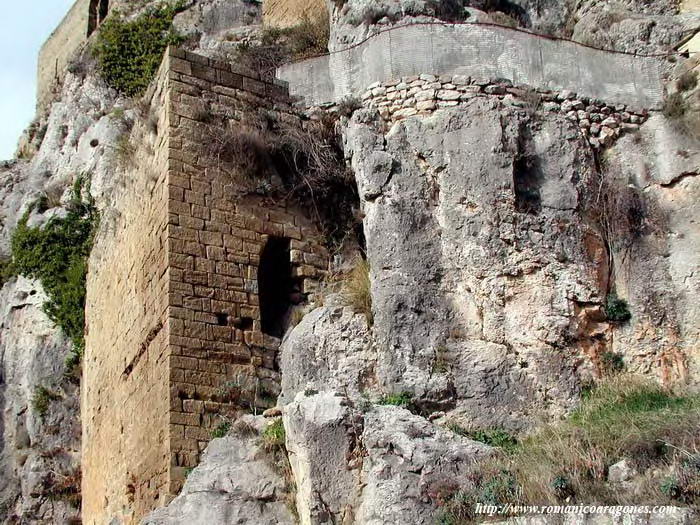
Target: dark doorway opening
[(275, 286), (527, 179), (98, 11)]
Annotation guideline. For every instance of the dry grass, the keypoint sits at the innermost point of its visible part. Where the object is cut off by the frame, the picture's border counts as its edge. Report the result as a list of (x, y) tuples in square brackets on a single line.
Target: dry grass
[(358, 288), (623, 418)]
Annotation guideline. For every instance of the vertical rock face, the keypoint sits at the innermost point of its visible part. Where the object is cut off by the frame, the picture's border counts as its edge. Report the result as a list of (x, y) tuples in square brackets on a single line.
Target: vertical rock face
[(494, 309), (39, 476)]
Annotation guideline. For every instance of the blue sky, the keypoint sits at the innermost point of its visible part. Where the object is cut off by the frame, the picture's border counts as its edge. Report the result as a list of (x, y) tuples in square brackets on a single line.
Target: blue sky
[(23, 28)]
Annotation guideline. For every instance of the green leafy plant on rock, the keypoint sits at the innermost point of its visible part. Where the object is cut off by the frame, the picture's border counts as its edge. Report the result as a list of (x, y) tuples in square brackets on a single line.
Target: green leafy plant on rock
[(221, 430), (42, 399), (129, 52), (274, 436), (616, 309), (403, 399), (56, 254)]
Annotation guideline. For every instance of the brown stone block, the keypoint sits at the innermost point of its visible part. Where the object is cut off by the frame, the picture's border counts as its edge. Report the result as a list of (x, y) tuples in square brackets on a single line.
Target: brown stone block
[(175, 298), (293, 232), (216, 253), (196, 378), (205, 317), (195, 330), (194, 198), (271, 228), (178, 312), (177, 374), (177, 326), (179, 207), (217, 227), (186, 342), (204, 291), (182, 261), (239, 258), (194, 406), (229, 269), (195, 277), (202, 264), (177, 431), (185, 419), (211, 238), (193, 248), (197, 433), (233, 243), (176, 193), (183, 362), (180, 66), (191, 222), (220, 333), (180, 181), (183, 288), (224, 307)]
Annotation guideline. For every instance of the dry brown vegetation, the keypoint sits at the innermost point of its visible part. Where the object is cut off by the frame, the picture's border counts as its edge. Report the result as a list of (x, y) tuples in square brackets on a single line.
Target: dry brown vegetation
[(357, 288), (656, 430)]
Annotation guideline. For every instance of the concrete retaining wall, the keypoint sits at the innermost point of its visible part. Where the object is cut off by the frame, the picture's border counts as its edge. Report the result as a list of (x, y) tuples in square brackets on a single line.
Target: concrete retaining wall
[(478, 51)]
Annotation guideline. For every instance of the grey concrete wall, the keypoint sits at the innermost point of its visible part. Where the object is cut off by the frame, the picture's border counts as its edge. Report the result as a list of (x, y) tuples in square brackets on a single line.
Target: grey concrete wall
[(479, 51)]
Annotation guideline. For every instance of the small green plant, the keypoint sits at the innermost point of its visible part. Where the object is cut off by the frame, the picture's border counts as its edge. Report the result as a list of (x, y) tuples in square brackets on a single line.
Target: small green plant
[(616, 309), (129, 52), (188, 471), (42, 399), (495, 437), (612, 363), (273, 437), (56, 254), (221, 429), (403, 399), (358, 288), (310, 392), (561, 486), (687, 81), (670, 488), (7, 271)]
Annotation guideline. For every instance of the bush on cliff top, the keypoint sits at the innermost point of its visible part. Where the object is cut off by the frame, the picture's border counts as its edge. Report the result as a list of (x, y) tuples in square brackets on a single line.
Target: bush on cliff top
[(56, 254), (129, 52)]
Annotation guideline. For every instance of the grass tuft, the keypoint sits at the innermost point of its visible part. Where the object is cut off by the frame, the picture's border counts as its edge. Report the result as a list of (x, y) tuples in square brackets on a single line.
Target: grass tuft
[(273, 437), (358, 288)]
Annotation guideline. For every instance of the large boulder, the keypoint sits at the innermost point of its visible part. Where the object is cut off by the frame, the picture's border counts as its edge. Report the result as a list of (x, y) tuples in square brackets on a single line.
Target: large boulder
[(235, 482)]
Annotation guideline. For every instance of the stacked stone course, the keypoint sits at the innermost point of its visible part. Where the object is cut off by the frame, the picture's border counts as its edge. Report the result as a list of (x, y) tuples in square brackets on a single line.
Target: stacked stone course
[(600, 123), (217, 361)]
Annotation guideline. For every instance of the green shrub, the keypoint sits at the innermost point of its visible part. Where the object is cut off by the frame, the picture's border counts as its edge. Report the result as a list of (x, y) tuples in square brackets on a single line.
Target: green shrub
[(129, 52), (56, 254), (616, 309), (7, 271), (273, 437), (42, 399), (404, 399), (221, 429), (612, 362), (495, 437)]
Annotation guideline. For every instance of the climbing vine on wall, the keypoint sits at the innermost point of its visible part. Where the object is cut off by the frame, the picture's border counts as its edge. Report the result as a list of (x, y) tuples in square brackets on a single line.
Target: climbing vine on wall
[(129, 52), (56, 254)]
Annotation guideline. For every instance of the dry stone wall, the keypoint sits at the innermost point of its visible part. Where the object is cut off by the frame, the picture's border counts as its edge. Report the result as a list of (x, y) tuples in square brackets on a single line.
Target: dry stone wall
[(600, 123), (177, 344)]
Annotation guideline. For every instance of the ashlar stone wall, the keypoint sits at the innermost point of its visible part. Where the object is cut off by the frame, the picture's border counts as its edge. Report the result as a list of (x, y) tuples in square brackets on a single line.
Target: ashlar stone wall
[(176, 346)]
